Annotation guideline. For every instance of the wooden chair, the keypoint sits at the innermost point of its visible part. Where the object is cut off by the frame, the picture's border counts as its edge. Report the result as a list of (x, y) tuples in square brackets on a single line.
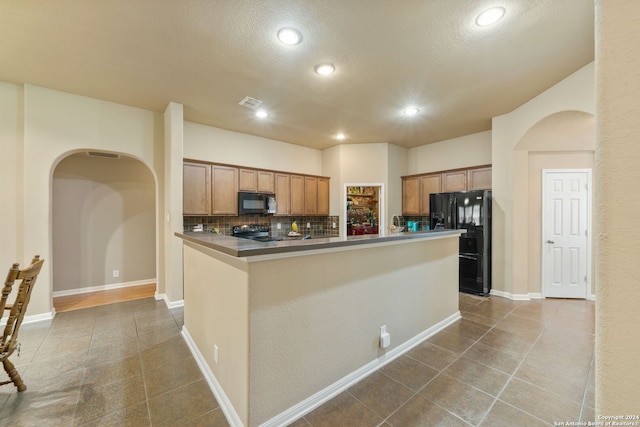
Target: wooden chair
[(8, 341)]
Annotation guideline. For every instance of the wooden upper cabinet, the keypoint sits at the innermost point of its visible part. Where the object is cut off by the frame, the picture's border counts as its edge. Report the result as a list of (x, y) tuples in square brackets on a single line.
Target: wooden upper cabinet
[(411, 196), (429, 184), (454, 181), (283, 194), (224, 194), (247, 180), (196, 189), (323, 196), (256, 180), (310, 195), (479, 179), (266, 182), (297, 195)]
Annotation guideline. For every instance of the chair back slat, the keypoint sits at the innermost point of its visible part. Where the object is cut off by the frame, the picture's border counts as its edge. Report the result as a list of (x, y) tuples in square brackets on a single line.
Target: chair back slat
[(17, 310)]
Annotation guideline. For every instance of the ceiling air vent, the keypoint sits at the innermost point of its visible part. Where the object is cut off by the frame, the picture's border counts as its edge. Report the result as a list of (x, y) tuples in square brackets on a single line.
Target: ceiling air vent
[(250, 102), (100, 154)]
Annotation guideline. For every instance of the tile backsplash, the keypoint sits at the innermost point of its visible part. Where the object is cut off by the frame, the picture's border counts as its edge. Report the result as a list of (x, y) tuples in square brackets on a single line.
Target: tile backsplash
[(318, 225)]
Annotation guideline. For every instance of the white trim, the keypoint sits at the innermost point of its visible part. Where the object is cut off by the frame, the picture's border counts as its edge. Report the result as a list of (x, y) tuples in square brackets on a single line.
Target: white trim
[(43, 317), (312, 402), (170, 304), (591, 297), (225, 404), (536, 295), (588, 172), (509, 295), (109, 287), (328, 393)]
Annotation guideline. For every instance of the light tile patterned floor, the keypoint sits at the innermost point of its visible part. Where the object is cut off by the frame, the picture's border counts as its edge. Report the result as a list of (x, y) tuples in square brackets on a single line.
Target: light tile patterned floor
[(504, 363)]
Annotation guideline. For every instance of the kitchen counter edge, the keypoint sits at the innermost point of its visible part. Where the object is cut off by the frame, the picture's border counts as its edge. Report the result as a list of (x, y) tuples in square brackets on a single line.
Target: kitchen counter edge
[(241, 248)]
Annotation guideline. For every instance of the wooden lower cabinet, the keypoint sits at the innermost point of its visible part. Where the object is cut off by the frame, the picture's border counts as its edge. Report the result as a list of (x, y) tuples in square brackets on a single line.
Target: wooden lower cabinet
[(224, 194), (196, 189)]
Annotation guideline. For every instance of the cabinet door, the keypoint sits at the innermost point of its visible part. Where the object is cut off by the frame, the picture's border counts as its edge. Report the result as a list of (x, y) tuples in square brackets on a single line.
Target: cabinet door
[(411, 196), (479, 179), (266, 182), (323, 196), (247, 180), (224, 184), (196, 189), (283, 194), (297, 195), (310, 195), (454, 181), (429, 184)]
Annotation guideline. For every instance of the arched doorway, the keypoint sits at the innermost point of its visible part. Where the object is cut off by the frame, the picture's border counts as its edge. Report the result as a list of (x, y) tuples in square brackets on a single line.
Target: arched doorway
[(103, 229)]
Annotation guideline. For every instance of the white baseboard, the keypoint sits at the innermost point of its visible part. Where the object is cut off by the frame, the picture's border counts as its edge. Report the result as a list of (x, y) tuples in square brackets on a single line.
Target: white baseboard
[(225, 404), (509, 295), (170, 304), (324, 395), (42, 317), (109, 287), (535, 295)]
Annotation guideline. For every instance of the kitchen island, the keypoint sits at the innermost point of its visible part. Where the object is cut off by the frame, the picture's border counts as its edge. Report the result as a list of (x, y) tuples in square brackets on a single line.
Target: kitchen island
[(280, 327)]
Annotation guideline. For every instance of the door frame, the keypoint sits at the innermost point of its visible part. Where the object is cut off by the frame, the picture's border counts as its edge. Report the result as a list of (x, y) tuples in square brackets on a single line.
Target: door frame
[(381, 206), (545, 174)]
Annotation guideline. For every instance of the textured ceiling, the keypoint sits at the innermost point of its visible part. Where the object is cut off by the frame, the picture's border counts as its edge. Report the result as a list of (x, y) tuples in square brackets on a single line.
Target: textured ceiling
[(209, 54)]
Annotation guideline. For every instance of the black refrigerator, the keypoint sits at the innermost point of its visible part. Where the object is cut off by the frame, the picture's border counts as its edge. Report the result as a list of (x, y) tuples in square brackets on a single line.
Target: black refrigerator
[(469, 210)]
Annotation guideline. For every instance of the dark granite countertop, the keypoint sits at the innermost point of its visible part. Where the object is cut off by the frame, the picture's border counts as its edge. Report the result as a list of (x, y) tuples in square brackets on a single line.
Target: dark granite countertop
[(245, 248)]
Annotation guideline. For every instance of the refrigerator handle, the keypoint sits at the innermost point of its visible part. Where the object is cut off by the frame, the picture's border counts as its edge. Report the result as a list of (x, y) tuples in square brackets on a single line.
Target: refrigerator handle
[(454, 213)]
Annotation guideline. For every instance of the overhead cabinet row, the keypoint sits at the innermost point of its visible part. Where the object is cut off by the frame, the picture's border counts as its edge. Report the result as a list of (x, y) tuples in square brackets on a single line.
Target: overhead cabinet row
[(212, 189), (417, 188)]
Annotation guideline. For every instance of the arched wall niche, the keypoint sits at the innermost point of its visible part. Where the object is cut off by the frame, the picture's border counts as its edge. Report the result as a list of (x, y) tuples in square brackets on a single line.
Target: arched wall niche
[(103, 219)]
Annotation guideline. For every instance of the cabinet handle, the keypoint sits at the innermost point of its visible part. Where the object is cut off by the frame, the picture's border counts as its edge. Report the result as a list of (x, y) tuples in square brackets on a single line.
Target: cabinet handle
[(551, 242)]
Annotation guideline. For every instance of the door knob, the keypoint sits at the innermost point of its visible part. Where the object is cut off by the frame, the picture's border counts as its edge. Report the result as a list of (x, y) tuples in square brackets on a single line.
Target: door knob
[(551, 242)]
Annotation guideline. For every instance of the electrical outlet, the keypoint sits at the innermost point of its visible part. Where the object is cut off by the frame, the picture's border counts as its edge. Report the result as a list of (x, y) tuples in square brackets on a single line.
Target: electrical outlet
[(308, 225), (116, 273), (278, 226), (385, 337), (216, 354), (333, 225)]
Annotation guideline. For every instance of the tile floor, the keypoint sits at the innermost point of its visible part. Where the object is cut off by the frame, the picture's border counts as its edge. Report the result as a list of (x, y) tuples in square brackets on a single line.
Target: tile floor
[(504, 363)]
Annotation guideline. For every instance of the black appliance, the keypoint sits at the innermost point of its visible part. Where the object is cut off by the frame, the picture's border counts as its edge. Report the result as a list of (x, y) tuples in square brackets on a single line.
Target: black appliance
[(259, 232), (256, 203), (470, 210)]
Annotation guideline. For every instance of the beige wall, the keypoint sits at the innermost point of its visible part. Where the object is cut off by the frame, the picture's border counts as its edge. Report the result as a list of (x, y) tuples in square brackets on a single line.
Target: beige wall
[(104, 219), (222, 146), (11, 163), (50, 126), (465, 151), (531, 127), (618, 207)]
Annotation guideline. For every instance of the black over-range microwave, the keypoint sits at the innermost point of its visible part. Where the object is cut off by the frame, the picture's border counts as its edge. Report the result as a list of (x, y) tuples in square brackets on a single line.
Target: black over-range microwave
[(256, 203)]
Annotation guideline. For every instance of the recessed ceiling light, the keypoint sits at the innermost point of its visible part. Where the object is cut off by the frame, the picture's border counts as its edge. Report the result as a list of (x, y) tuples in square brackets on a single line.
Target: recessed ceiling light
[(262, 114), (410, 111), (325, 69), (289, 36), (341, 136), (490, 16)]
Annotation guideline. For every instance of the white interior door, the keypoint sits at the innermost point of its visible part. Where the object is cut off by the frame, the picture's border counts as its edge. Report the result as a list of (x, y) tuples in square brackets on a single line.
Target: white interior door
[(565, 233)]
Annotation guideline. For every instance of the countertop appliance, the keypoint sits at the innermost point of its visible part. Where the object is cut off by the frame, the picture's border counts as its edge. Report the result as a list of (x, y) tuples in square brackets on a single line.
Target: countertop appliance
[(256, 203), (259, 232), (470, 210)]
